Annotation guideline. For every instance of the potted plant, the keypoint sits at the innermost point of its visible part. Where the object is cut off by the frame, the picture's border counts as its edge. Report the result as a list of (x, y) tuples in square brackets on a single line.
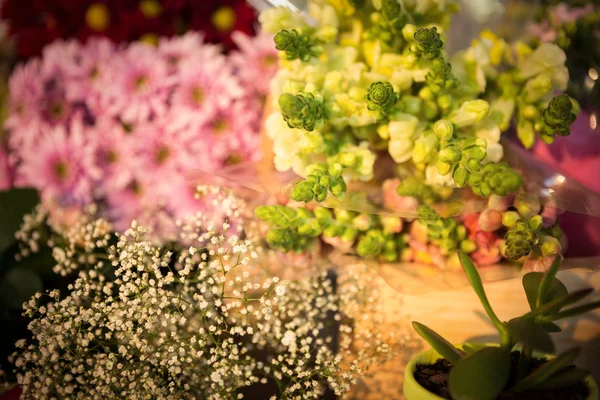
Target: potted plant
[(520, 366)]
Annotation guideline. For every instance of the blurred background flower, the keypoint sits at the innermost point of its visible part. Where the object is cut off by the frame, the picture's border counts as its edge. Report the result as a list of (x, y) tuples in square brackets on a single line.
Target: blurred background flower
[(36, 23)]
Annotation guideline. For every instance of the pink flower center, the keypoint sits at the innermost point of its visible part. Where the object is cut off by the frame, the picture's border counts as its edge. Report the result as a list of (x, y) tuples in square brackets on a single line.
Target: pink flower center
[(233, 159), (219, 126), (198, 95), (162, 154), (61, 170), (112, 157), (268, 61), (140, 82)]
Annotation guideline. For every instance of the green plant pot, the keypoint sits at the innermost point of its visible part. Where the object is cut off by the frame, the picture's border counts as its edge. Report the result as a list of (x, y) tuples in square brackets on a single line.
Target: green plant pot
[(414, 391)]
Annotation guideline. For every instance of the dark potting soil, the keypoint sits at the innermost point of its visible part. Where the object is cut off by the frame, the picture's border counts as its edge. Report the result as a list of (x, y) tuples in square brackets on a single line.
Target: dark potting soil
[(434, 377)]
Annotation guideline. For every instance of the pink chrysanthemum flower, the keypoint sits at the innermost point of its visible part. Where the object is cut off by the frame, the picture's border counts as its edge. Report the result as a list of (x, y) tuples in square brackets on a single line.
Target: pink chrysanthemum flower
[(61, 165), (203, 87), (113, 148), (255, 62), (84, 76), (177, 49), (61, 59), (5, 171), (137, 85), (25, 91)]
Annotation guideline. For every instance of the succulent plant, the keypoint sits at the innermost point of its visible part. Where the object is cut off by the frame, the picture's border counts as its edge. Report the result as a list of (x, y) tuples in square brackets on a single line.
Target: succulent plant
[(490, 366)]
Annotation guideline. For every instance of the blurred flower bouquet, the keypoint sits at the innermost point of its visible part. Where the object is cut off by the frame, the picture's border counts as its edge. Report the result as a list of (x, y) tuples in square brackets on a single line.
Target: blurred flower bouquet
[(399, 137), (121, 127), (35, 24), (142, 320)]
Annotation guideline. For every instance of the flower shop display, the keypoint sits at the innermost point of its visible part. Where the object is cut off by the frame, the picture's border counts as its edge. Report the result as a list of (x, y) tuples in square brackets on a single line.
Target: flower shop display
[(123, 126), (35, 24), (520, 366), (201, 322), (400, 138)]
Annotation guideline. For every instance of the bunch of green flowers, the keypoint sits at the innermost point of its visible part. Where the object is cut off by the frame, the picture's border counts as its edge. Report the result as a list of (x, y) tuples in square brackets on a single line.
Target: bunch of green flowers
[(381, 86)]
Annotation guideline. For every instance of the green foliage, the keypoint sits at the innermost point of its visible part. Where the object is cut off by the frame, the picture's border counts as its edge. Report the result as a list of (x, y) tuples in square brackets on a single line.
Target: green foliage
[(484, 373), (492, 374), (428, 43), (297, 45), (381, 97), (302, 110)]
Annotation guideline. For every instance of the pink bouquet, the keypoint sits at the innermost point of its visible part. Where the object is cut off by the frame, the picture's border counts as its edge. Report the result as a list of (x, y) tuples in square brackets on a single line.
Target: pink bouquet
[(122, 126)]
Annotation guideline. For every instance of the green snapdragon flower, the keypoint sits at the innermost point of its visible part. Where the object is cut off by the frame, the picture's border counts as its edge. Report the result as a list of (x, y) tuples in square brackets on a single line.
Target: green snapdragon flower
[(417, 188), (445, 232), (440, 75), (428, 43), (302, 110), (461, 157), (382, 98), (520, 240), (297, 45)]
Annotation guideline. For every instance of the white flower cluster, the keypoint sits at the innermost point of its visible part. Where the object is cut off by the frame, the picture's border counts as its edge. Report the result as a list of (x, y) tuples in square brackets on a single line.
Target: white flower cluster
[(205, 322)]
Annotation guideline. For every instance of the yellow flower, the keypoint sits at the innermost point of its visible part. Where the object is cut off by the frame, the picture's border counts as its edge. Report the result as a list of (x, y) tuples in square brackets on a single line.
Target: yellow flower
[(97, 17), (150, 8), (223, 19)]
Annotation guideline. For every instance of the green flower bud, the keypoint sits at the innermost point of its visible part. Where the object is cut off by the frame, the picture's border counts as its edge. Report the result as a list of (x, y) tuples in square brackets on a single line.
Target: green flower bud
[(429, 44), (526, 133), (460, 176), (515, 249), (527, 205), (381, 97), (281, 239), (371, 244), (559, 116), (337, 187), (336, 169), (450, 155), (536, 222), (320, 192), (408, 32), (310, 228), (510, 218), (279, 215), (550, 246), (296, 45), (443, 129), (302, 191), (468, 246), (302, 110), (323, 214), (350, 234), (390, 9), (443, 167)]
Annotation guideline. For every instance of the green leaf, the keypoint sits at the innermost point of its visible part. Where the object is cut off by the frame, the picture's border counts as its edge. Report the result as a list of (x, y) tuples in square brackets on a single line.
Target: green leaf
[(545, 371), (573, 311), (558, 303), (551, 327), (18, 285), (568, 377), (439, 344), (14, 204), (477, 285), (532, 282), (481, 375), (547, 282), (531, 334)]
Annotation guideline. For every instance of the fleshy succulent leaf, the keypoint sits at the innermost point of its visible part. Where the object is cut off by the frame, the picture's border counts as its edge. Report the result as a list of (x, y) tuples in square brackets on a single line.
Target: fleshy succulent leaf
[(574, 311), (547, 282), (530, 334), (481, 375), (439, 344), (532, 282), (562, 379), (544, 372), (477, 285), (558, 303)]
